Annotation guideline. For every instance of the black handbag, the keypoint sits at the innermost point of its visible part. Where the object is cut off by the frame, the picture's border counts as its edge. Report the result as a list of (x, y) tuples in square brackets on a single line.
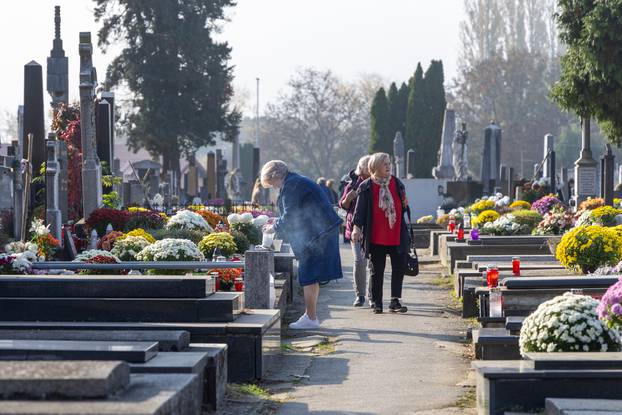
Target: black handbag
[(412, 260)]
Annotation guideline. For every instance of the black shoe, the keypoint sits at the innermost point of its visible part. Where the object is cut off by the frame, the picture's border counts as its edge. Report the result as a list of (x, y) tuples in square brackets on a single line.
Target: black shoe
[(359, 302), (377, 309), (396, 307)]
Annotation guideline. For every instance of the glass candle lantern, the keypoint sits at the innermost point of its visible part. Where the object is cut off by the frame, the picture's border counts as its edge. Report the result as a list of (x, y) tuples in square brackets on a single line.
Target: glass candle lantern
[(495, 302), (492, 276), (474, 234), (239, 284), (516, 266), (460, 236)]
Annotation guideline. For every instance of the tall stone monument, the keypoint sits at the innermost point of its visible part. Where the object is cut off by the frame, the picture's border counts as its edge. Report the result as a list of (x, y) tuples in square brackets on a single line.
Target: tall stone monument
[(585, 171), (33, 117), (211, 174), (109, 97), (398, 154), (91, 169), (491, 158), (53, 216), (221, 172), (445, 170), (549, 145), (58, 67)]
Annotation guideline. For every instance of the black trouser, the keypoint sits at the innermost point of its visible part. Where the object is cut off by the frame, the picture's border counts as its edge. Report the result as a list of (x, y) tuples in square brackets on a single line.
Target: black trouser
[(378, 259)]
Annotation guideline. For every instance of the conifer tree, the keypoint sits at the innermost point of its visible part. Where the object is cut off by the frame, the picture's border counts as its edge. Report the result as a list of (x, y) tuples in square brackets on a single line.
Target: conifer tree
[(380, 129), (415, 119)]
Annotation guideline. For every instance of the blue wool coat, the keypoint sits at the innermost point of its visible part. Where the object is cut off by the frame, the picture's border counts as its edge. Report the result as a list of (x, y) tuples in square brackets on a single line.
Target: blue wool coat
[(306, 214)]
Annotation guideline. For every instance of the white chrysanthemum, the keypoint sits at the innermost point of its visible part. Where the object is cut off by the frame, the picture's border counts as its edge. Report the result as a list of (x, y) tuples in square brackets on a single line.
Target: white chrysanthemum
[(171, 249), (567, 323), (186, 219), (233, 218), (127, 248), (246, 217), (261, 220)]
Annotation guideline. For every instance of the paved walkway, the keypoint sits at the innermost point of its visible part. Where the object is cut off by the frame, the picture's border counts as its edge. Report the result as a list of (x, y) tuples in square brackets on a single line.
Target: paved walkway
[(383, 364)]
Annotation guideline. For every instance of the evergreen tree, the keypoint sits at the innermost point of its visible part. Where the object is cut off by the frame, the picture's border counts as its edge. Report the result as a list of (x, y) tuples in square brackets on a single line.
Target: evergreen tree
[(394, 112), (415, 120), (435, 103), (381, 140), (403, 107), (179, 75)]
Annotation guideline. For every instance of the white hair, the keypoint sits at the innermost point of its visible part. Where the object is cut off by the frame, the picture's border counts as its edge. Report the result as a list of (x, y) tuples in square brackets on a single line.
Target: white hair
[(362, 168), (274, 169)]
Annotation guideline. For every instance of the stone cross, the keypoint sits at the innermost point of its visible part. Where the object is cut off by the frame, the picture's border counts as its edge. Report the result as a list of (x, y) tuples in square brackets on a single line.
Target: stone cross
[(398, 154), (491, 158), (445, 169), (53, 215), (585, 171), (549, 145), (91, 169), (58, 67)]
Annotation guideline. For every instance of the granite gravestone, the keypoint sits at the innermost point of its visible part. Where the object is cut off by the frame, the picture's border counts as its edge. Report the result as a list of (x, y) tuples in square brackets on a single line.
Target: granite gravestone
[(211, 175), (445, 170), (6, 187), (103, 133), (58, 67), (549, 145), (585, 172), (491, 158), (221, 172), (33, 119), (91, 168)]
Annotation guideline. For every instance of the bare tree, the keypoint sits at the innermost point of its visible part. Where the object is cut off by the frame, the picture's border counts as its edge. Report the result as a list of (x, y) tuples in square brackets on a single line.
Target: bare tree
[(8, 126), (320, 125)]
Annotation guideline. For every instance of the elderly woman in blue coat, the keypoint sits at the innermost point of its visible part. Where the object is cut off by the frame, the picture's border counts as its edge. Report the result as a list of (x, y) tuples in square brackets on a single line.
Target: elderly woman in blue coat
[(309, 222)]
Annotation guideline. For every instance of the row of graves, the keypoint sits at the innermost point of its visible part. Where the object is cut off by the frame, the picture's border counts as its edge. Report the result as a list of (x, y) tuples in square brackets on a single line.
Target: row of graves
[(541, 278), (139, 310)]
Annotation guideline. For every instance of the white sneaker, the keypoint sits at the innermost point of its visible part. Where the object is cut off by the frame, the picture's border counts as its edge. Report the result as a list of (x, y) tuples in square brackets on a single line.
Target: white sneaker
[(305, 323)]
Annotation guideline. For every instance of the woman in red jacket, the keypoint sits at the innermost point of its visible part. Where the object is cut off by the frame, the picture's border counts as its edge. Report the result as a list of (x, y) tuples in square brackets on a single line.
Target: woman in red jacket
[(380, 226)]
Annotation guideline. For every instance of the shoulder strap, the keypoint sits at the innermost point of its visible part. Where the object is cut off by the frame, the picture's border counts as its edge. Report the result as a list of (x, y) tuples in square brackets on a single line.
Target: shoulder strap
[(410, 230)]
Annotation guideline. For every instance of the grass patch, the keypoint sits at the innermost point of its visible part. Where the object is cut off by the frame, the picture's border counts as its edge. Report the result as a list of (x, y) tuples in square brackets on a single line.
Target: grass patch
[(288, 348), (467, 399), (251, 389), (443, 282), (324, 348)]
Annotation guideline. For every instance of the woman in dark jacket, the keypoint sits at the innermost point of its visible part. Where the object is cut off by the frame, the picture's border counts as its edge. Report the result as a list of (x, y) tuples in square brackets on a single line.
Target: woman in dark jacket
[(348, 203), (311, 226), (380, 225)]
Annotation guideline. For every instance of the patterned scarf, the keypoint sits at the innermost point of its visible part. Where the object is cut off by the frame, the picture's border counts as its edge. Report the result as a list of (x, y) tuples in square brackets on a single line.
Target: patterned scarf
[(385, 199)]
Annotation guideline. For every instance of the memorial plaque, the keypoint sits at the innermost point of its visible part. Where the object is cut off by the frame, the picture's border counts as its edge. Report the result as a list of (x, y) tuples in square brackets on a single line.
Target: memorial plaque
[(586, 183)]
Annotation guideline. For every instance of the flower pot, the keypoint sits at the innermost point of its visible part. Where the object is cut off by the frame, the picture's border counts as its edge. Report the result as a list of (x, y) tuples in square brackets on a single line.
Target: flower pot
[(552, 242)]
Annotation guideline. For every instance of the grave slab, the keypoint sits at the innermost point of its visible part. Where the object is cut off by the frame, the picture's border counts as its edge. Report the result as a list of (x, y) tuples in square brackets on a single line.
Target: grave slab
[(173, 340), (509, 384), (495, 344), (62, 380), (576, 360), (556, 406), (83, 286), (136, 352), (253, 338), (148, 394), (219, 307)]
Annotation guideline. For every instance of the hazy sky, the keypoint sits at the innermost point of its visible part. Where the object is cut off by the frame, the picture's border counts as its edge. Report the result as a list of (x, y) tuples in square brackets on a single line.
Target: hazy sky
[(270, 39)]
